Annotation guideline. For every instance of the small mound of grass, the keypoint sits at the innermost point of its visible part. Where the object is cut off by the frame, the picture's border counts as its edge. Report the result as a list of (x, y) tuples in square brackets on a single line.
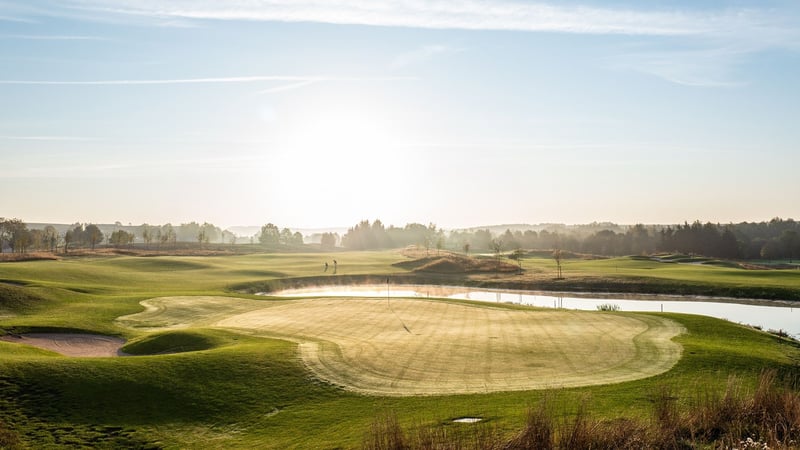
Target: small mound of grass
[(158, 264), (457, 264), (719, 263), (175, 342), (260, 273), (15, 298)]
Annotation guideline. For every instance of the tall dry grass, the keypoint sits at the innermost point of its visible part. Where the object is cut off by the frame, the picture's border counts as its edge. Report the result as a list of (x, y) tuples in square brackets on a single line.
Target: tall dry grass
[(767, 417)]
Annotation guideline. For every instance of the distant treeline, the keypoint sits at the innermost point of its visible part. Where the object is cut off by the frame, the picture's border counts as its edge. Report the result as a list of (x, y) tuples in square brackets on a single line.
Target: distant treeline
[(18, 237), (776, 239)]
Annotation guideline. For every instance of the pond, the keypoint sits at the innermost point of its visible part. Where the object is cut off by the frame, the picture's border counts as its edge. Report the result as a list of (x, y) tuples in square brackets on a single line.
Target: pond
[(766, 314)]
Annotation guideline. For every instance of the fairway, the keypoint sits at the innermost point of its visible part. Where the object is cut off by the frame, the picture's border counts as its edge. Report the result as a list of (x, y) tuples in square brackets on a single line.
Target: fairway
[(430, 347)]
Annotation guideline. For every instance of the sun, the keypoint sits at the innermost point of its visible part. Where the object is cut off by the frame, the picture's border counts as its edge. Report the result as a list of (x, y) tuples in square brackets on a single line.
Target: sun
[(342, 158)]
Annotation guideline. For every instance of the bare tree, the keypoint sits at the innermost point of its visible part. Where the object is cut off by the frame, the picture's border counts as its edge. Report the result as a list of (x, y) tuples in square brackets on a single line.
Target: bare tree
[(497, 247), (516, 255), (557, 255), (147, 234)]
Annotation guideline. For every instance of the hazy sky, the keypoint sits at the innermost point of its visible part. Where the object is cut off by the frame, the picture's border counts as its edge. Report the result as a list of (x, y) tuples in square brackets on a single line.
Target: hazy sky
[(320, 113)]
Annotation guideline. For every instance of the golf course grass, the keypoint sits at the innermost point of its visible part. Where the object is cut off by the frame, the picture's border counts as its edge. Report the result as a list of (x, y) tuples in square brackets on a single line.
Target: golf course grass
[(217, 368), (429, 347)]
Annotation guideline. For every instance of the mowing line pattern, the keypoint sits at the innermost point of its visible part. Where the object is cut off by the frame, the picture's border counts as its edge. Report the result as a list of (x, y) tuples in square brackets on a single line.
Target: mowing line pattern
[(449, 348)]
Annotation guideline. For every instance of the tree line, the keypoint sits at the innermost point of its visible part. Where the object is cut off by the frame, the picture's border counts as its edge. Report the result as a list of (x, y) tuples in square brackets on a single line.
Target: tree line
[(775, 239), (16, 236)]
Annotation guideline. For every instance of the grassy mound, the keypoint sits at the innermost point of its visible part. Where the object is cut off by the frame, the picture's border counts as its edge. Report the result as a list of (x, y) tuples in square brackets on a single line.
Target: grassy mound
[(453, 263), (175, 342), (15, 298), (158, 264)]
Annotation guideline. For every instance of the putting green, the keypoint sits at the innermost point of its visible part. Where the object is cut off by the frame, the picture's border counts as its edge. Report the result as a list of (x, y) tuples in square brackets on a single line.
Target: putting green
[(428, 347)]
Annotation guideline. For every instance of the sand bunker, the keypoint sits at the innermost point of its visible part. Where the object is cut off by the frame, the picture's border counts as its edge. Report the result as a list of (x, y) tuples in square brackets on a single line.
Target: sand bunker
[(80, 345)]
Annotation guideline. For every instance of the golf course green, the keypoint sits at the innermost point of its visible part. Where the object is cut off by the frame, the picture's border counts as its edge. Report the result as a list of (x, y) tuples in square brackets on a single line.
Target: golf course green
[(212, 366)]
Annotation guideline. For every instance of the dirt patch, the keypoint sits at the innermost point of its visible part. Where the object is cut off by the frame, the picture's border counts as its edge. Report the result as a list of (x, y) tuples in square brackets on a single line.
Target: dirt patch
[(458, 264), (79, 345)]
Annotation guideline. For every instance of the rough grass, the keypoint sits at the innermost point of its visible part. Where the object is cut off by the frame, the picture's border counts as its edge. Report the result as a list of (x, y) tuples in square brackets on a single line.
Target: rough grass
[(765, 417), (18, 299)]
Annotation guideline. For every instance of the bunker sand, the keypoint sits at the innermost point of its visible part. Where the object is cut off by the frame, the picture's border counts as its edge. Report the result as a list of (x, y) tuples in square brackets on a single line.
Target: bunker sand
[(430, 347), (80, 345)]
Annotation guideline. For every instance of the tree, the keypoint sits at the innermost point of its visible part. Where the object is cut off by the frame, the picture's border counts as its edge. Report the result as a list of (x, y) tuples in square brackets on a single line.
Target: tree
[(497, 247), (557, 255), (286, 237), (509, 240), (771, 250), (14, 232), (36, 239), (790, 243), (69, 237), (51, 237), (147, 234), (20, 236), (5, 233), (211, 233), (516, 255), (482, 240), (167, 235), (466, 248), (93, 235), (328, 241), (270, 234), (729, 245), (121, 238)]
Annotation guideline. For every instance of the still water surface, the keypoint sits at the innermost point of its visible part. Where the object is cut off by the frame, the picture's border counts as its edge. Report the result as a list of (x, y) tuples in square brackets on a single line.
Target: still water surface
[(768, 315)]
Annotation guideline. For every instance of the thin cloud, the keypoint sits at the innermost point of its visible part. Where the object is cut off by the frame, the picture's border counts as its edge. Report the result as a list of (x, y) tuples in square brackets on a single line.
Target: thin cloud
[(305, 80), (713, 67), (50, 138), (245, 79), (288, 87), (117, 169), (16, 19), (455, 14), (45, 37), (419, 55)]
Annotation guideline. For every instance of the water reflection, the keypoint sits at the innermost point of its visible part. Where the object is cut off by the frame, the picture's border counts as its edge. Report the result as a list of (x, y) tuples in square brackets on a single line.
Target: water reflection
[(775, 317)]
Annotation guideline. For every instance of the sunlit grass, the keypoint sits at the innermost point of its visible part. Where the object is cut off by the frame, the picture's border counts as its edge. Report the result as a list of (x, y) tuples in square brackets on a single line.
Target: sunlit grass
[(228, 390)]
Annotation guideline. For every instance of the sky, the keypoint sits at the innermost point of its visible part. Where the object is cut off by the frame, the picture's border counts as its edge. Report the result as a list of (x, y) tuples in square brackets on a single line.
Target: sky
[(314, 113)]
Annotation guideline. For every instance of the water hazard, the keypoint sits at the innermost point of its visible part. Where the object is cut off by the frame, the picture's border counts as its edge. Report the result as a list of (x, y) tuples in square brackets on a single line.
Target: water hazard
[(768, 315)]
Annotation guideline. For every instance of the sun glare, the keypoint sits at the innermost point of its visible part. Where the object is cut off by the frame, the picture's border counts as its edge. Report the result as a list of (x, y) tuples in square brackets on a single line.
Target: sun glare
[(348, 150)]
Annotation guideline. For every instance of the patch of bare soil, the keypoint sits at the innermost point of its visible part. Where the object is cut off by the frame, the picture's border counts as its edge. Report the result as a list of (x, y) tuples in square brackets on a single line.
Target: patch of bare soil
[(79, 345), (453, 263)]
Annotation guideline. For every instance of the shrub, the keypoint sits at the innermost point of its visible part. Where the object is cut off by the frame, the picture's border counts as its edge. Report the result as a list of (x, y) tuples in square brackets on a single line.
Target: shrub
[(608, 307)]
